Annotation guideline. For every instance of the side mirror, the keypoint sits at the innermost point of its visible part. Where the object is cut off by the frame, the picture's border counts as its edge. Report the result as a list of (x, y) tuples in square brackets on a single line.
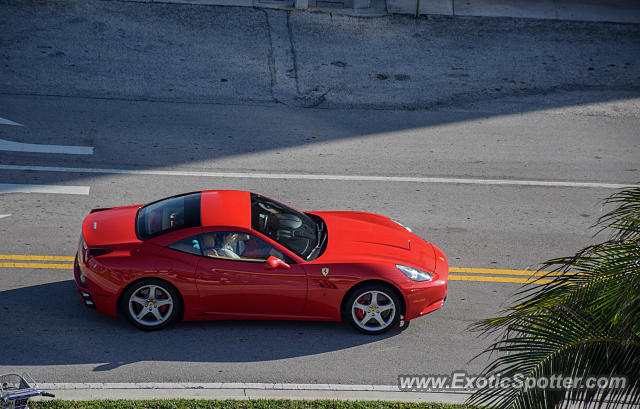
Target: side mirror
[(274, 262)]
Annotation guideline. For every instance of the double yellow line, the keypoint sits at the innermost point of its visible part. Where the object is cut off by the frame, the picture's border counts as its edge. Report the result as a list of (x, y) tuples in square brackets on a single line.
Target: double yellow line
[(456, 273), (11, 264), (498, 275)]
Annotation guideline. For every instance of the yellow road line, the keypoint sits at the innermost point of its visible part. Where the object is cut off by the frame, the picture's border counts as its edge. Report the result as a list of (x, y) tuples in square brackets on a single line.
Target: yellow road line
[(452, 269), (498, 274), (28, 257), (38, 258), (500, 271), (38, 265), (454, 277)]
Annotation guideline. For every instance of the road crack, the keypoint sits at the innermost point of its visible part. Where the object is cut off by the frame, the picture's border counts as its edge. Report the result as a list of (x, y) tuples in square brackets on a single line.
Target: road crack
[(294, 56), (270, 58)]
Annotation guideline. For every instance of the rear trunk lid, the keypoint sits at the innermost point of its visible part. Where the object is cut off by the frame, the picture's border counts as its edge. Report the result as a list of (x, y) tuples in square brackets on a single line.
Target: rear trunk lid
[(103, 227)]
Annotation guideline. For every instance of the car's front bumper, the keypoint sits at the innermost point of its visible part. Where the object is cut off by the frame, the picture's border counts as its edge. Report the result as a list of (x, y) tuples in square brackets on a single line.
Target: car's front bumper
[(422, 298), (421, 301)]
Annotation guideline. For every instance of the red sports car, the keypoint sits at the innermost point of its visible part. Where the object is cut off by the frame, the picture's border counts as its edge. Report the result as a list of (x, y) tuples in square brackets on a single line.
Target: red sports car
[(224, 254)]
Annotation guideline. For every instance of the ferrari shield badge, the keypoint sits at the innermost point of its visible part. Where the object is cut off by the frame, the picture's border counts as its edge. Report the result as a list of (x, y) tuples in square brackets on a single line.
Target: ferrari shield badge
[(325, 271)]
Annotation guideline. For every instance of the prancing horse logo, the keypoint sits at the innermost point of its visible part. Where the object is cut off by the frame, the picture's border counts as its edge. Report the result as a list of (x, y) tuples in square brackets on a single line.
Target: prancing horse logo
[(325, 271)]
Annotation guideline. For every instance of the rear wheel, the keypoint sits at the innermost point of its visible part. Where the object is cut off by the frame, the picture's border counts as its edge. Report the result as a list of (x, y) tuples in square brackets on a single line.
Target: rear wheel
[(151, 304), (373, 309)]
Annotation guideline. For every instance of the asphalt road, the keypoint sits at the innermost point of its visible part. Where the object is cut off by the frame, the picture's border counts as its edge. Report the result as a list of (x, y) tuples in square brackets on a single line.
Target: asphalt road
[(584, 130)]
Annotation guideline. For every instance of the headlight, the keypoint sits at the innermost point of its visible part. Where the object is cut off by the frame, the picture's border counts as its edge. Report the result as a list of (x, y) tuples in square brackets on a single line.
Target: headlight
[(414, 273), (398, 223)]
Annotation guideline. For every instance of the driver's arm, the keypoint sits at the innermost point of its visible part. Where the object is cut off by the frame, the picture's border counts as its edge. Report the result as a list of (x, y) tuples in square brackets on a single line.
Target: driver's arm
[(276, 253)]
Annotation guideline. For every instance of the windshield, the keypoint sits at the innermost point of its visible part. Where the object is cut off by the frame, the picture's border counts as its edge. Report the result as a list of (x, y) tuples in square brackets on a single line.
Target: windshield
[(294, 230)]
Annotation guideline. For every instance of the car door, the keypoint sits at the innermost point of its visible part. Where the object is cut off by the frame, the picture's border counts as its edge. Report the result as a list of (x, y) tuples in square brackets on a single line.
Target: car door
[(246, 285), (173, 257)]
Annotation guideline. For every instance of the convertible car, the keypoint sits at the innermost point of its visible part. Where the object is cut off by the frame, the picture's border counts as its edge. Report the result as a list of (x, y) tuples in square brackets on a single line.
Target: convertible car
[(223, 254)]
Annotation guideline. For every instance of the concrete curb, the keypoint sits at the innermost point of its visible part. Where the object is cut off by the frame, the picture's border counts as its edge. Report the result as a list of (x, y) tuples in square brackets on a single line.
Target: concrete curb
[(612, 11), (241, 390)]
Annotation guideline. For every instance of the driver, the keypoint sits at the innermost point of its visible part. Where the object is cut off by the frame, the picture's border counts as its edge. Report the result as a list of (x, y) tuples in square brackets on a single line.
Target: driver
[(226, 249)]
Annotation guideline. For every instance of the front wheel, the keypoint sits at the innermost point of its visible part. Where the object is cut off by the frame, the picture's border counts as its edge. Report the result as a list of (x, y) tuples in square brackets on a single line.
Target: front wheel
[(151, 304), (373, 309)]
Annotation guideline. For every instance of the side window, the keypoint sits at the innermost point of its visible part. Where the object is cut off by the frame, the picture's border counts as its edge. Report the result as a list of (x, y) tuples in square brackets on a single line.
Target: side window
[(189, 245), (238, 246)]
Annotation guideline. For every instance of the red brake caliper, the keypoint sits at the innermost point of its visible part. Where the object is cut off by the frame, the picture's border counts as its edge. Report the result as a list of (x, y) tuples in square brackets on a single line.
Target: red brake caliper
[(359, 312), (164, 308)]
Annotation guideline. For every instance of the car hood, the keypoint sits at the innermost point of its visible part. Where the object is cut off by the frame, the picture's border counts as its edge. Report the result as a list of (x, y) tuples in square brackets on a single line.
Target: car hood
[(368, 237), (110, 226)]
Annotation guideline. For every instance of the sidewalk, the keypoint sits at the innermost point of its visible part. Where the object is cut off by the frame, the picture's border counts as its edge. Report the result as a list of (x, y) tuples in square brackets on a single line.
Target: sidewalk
[(619, 11), (243, 391), (615, 11)]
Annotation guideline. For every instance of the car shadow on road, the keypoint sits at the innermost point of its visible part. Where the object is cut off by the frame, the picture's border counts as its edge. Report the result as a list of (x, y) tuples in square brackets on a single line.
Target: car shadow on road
[(47, 325)]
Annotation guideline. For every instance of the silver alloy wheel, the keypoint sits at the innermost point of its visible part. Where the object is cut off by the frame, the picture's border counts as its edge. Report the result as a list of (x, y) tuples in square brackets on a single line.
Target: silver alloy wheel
[(377, 310), (150, 305)]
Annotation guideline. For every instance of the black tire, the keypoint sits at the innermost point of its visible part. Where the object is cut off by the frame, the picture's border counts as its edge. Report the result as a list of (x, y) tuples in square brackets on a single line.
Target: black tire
[(163, 292), (372, 326)]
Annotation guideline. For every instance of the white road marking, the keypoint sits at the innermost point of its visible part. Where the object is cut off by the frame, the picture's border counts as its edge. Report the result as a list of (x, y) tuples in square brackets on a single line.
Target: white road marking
[(56, 189), (38, 148), (2, 216), (355, 178), (4, 121)]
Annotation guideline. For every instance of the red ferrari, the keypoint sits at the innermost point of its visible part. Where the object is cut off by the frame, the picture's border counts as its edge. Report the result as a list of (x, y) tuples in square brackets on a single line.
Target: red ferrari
[(223, 254)]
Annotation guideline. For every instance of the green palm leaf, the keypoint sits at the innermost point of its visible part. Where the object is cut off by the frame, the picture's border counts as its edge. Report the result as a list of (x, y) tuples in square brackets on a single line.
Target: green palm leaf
[(583, 321), (625, 218)]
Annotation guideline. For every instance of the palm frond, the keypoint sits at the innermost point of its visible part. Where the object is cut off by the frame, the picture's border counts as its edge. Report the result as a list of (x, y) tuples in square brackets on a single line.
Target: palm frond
[(582, 320), (625, 218), (561, 342)]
